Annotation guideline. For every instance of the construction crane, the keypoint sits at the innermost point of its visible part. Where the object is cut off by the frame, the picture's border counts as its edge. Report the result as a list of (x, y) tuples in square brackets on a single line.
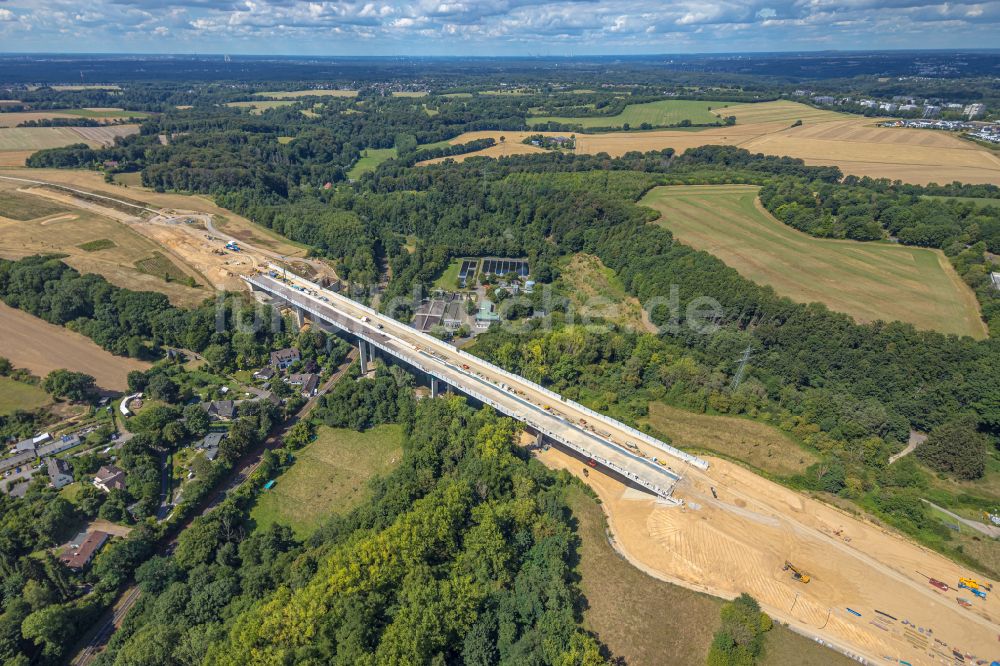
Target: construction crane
[(797, 574)]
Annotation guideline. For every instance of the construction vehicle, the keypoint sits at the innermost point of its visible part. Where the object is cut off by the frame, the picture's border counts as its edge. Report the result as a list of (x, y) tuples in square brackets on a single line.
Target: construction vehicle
[(797, 574), (975, 590), (973, 583), (232, 245)]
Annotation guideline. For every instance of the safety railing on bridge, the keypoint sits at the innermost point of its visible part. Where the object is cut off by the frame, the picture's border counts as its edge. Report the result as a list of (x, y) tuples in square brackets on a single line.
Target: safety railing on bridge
[(638, 434)]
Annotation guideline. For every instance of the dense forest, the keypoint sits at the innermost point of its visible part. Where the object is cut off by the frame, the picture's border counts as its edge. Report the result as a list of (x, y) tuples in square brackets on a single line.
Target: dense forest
[(462, 554)]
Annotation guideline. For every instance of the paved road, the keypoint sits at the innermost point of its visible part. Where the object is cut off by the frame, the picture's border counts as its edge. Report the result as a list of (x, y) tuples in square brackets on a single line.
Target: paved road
[(605, 440), (992, 531)]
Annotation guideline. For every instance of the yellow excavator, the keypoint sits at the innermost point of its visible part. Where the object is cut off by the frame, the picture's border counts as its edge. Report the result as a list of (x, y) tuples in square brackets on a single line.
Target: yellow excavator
[(798, 575)]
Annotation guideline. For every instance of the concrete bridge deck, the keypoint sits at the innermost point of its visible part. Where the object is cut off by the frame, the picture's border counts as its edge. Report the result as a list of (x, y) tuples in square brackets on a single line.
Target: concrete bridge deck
[(608, 442)]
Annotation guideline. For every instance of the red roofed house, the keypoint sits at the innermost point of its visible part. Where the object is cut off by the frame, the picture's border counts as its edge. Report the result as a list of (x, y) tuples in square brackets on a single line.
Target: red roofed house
[(78, 556), (109, 478)]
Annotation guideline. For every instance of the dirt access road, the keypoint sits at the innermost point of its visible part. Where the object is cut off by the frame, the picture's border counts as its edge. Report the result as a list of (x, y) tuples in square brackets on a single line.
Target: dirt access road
[(740, 541), (189, 236)]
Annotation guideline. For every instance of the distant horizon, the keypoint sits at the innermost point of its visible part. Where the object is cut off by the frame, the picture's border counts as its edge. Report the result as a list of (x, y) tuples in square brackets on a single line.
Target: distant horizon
[(499, 28), (444, 56)]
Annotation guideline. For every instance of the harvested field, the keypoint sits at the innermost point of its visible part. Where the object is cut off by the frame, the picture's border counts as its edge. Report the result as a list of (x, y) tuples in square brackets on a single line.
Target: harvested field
[(18, 143), (740, 541), (41, 347), (330, 475), (596, 292), (160, 266), (657, 114), (294, 94), (86, 87), (758, 444), (852, 143), (18, 206), (410, 93), (511, 146), (869, 281)]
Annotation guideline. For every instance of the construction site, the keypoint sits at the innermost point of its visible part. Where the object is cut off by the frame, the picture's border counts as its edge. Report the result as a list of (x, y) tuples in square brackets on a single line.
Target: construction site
[(848, 583), (191, 238)]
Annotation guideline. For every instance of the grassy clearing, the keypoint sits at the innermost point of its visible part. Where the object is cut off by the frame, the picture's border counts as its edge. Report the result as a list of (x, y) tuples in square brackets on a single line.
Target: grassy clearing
[(258, 107), (410, 93), (105, 113), (16, 395), (657, 114), (643, 620), (96, 245), (284, 140), (160, 265), (464, 95), (758, 444), (869, 281), (978, 202), (369, 161), (595, 291), (328, 476), (449, 279), (17, 206), (294, 94)]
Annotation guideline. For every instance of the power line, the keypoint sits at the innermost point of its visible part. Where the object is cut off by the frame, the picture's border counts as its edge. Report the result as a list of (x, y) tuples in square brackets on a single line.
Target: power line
[(738, 377)]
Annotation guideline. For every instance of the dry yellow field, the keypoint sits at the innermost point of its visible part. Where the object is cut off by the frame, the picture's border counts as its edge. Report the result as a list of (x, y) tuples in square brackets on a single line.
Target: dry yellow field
[(511, 146), (825, 138), (869, 281), (41, 347), (18, 143), (293, 94)]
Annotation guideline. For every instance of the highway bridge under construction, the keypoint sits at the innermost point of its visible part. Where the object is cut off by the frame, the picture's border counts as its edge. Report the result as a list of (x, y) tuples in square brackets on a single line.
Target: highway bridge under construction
[(601, 441)]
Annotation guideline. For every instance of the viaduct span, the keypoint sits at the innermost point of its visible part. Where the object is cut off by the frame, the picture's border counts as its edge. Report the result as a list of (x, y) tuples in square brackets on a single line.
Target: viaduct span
[(640, 458)]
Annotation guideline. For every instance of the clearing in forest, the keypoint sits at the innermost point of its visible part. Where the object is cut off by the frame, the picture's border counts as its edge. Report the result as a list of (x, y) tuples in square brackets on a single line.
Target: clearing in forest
[(369, 161), (330, 475), (15, 395), (868, 280), (596, 292)]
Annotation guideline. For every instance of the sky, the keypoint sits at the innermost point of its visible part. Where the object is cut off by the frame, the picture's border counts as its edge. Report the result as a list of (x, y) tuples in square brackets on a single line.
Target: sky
[(491, 27)]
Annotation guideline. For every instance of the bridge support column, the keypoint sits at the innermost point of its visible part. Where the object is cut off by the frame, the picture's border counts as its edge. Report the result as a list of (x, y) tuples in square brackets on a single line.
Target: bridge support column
[(300, 317), (363, 356), (435, 387)]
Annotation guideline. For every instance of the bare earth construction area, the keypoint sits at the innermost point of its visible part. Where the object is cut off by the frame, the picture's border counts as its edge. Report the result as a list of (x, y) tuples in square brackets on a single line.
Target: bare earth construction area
[(869, 281), (740, 541)]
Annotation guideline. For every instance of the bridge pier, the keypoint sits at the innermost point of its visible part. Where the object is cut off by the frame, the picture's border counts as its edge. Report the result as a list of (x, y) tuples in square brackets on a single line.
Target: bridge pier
[(363, 356), (300, 316), (435, 387)]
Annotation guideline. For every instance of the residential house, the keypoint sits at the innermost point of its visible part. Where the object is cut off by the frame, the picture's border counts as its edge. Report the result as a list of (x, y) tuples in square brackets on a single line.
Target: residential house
[(210, 445), (78, 556), (283, 358), (307, 383), (109, 478), (18, 460), (221, 410), (823, 99), (60, 473), (264, 373), (64, 443)]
